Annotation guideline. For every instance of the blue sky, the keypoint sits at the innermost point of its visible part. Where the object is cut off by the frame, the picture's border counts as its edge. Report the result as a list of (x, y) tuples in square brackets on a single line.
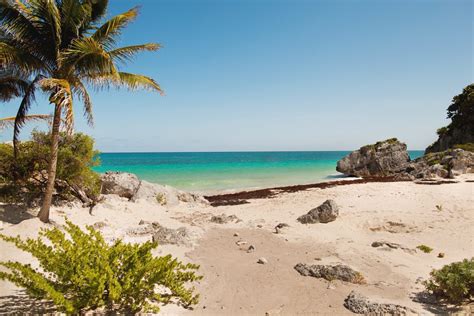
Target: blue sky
[(285, 75)]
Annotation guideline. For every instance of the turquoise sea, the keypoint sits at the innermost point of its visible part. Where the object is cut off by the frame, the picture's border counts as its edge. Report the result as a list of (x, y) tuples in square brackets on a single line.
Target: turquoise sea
[(216, 171)]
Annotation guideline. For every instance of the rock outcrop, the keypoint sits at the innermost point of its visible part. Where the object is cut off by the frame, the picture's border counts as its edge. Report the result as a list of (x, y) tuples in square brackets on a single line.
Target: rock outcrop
[(329, 272), (128, 185), (382, 159), (360, 304), (161, 234), (325, 213), (390, 158)]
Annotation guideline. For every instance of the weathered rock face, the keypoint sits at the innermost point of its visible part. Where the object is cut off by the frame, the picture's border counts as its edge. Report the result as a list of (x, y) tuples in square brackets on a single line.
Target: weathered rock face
[(360, 304), (128, 185), (325, 213), (382, 159), (440, 164), (328, 272), (121, 183)]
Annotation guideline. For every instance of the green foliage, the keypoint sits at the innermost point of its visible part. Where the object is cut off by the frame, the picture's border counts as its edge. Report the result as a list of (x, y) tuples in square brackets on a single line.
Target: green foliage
[(454, 282), (442, 130), (425, 248), (466, 147), (27, 174), (79, 271)]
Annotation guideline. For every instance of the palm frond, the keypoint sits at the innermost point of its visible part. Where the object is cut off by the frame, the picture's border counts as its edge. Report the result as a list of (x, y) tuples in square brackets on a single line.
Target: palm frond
[(87, 57), (124, 54), (81, 91), (15, 56), (28, 99), (135, 82), (107, 33), (12, 85), (9, 122), (47, 20), (98, 9)]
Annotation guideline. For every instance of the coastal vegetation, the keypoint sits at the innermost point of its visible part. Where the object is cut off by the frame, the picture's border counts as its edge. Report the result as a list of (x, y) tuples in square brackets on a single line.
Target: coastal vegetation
[(460, 132), (79, 271), (425, 248), (453, 282), (60, 47), (24, 178)]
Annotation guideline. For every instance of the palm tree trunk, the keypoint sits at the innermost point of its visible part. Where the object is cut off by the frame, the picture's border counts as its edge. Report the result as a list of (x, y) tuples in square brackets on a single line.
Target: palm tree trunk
[(48, 195)]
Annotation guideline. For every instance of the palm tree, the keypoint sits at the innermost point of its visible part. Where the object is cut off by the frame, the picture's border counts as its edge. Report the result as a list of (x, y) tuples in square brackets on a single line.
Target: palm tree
[(62, 46)]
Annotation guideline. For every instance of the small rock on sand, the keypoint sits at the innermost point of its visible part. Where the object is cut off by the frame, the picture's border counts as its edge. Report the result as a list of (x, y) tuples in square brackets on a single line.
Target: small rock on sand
[(224, 219), (325, 213), (251, 249), (329, 272), (262, 261)]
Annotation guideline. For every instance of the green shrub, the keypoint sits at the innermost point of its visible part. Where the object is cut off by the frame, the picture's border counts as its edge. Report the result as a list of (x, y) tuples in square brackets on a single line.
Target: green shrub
[(161, 199), (425, 248), (27, 174), (442, 130), (454, 282), (79, 271)]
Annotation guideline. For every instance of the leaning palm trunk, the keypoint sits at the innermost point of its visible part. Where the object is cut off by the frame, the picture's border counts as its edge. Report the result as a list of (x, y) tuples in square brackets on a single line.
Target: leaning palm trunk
[(48, 194)]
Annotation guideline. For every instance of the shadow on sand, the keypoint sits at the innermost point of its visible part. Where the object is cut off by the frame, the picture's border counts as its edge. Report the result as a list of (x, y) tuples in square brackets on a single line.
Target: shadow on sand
[(433, 305), (14, 214), (22, 304)]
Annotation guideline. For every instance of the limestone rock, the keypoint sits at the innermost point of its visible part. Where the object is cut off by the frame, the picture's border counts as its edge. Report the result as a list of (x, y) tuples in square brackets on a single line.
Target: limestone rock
[(262, 261), (128, 185), (382, 159), (224, 219), (325, 213), (329, 272), (121, 183), (360, 304), (161, 234)]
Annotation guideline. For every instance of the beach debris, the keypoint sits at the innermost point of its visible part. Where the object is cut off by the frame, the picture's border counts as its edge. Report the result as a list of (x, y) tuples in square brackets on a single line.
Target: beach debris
[(425, 248), (259, 226), (280, 226), (241, 243), (236, 234), (143, 222), (392, 245), (394, 228), (262, 260), (360, 304), (441, 255), (325, 213), (224, 219), (250, 249), (330, 272)]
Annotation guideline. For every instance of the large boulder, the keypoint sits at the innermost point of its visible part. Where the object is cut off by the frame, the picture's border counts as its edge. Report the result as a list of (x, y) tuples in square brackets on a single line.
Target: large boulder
[(121, 183), (325, 213), (382, 159)]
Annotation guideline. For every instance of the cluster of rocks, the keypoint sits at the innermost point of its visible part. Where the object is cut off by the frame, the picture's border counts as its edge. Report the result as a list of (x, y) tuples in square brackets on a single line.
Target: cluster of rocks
[(224, 219), (160, 234), (360, 304), (390, 158), (127, 185), (331, 272)]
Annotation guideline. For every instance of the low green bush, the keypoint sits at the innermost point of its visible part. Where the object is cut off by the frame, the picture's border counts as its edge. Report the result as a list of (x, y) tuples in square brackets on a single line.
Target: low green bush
[(425, 248), (24, 178), (79, 271), (453, 282)]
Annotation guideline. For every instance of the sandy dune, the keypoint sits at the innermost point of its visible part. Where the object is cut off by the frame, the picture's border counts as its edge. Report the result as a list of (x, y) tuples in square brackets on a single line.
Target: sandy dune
[(235, 284)]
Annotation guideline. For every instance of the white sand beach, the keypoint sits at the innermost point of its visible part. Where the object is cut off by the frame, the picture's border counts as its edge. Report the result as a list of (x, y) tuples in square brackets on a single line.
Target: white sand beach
[(234, 283)]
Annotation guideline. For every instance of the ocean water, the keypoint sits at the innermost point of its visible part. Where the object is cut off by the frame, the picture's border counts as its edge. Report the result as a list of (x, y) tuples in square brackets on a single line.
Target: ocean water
[(220, 171)]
